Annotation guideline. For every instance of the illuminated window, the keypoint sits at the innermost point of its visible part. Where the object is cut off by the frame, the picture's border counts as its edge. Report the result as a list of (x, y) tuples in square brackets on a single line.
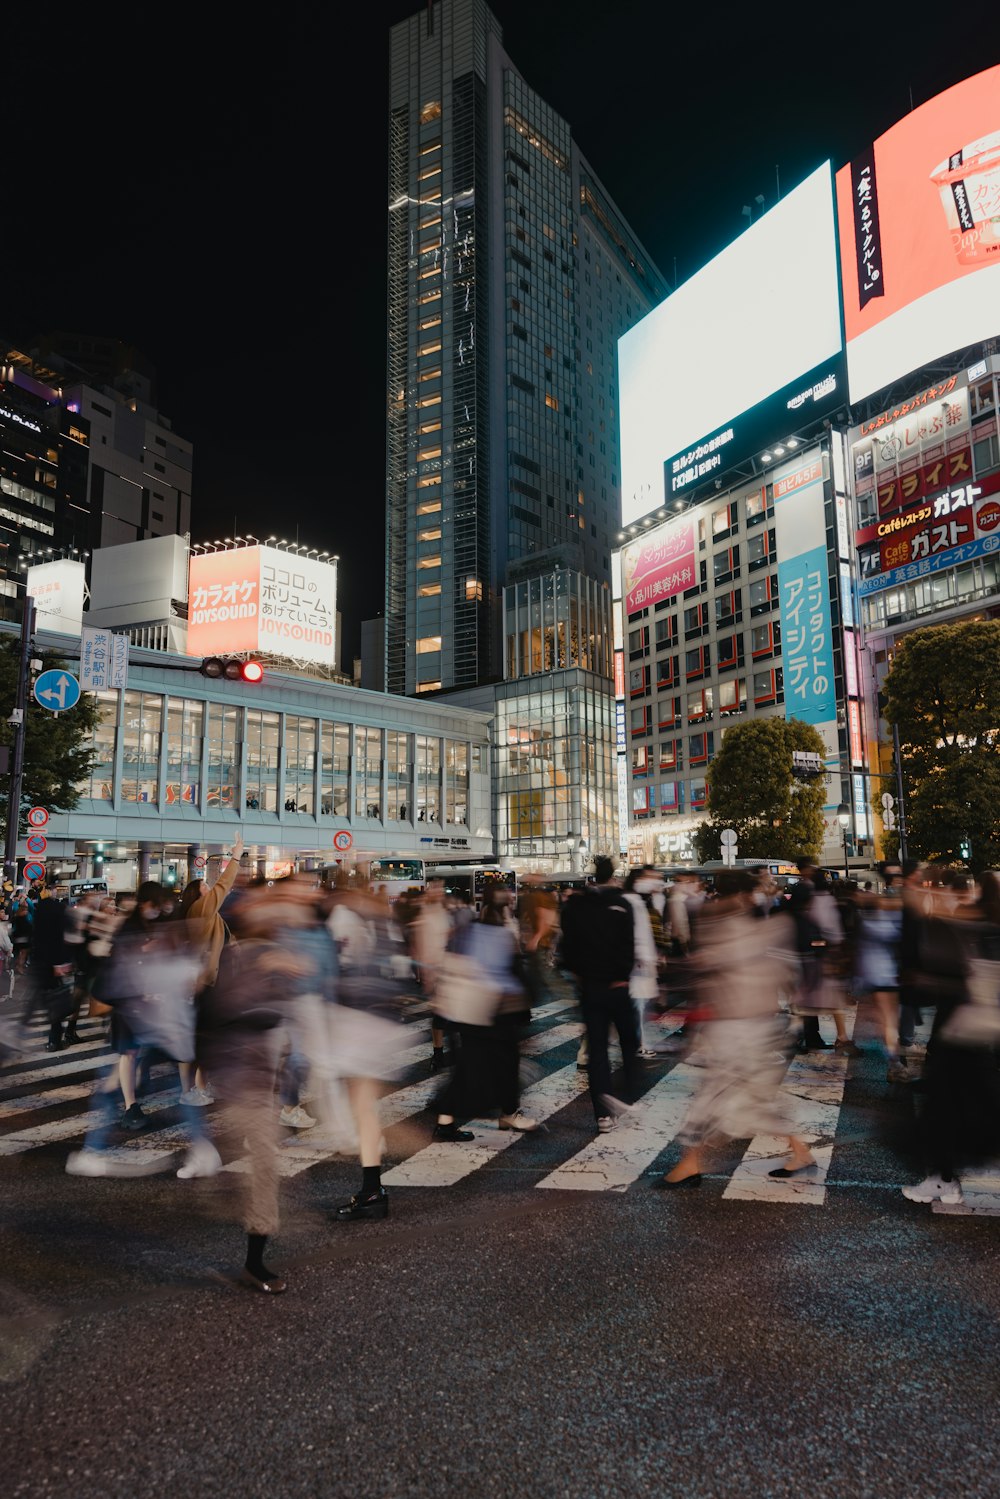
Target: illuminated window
[(430, 400), (428, 590), (552, 401), (429, 198), (429, 172), (428, 686), (428, 643), (430, 479), (473, 588), (428, 507), (430, 146), (427, 453), (432, 270), (430, 426), (433, 533), (430, 112), (429, 349), (429, 561), (434, 374), (429, 296)]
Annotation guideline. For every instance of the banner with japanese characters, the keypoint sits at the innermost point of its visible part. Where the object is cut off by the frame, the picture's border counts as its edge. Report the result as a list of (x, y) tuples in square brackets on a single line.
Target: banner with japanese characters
[(659, 566), (263, 599)]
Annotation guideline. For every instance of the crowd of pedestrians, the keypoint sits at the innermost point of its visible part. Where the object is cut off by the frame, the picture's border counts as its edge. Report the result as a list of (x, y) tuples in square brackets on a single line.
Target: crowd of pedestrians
[(286, 1004)]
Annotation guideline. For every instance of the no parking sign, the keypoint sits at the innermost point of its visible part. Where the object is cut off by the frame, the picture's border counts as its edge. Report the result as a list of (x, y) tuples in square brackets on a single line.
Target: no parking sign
[(33, 872)]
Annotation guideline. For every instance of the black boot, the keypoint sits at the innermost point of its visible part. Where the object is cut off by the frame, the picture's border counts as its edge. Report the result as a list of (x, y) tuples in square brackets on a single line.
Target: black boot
[(255, 1275), (363, 1205)]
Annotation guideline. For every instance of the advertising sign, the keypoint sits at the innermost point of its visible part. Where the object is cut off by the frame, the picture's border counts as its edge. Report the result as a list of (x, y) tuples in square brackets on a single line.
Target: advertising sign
[(804, 593), (659, 565), (919, 214), (945, 530), (762, 318), (262, 599), (58, 589), (103, 659)]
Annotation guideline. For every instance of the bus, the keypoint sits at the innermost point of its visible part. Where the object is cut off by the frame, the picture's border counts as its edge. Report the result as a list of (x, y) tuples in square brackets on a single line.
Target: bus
[(475, 879), (784, 873), (396, 876)]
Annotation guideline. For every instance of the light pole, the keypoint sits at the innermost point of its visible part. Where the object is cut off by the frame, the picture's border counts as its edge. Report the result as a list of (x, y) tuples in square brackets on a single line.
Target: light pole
[(844, 818)]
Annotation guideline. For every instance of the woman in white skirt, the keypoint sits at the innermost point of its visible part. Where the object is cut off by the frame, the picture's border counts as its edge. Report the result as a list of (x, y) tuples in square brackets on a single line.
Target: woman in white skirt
[(742, 962)]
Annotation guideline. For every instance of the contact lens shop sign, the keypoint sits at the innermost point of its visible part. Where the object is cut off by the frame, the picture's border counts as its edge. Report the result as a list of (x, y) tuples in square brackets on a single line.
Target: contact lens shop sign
[(804, 596)]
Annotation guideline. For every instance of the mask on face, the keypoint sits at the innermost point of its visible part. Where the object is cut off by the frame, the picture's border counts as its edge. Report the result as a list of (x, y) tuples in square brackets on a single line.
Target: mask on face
[(646, 887)]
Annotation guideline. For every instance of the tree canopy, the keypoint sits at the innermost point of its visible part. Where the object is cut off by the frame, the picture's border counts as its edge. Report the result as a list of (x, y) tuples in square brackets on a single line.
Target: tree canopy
[(751, 789), (942, 692), (57, 753)]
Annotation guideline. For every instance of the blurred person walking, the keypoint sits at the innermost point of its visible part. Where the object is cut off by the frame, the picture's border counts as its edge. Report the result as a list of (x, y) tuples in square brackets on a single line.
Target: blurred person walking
[(641, 884), (818, 933), (538, 913), (959, 1123), (430, 931), (598, 946), (375, 979), (487, 1002), (200, 907), (741, 965)]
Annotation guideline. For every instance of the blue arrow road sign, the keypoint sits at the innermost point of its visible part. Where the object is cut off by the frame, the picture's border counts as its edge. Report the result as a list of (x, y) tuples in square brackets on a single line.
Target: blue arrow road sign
[(57, 691)]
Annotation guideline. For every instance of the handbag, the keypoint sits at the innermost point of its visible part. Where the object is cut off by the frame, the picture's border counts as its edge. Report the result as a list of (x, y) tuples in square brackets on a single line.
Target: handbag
[(60, 1002), (463, 993)]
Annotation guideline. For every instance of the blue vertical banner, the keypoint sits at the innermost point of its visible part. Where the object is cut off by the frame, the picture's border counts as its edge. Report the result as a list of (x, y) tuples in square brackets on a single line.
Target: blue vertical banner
[(807, 637)]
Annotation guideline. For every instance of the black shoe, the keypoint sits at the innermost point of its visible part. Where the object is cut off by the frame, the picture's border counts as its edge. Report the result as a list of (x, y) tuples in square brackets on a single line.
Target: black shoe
[(452, 1132), (53, 1046), (133, 1118), (72, 1037), (438, 1060), (268, 1284), (375, 1205), (694, 1180)]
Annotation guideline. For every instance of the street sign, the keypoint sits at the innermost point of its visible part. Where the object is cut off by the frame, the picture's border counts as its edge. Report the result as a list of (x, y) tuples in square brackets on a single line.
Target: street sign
[(727, 836), (198, 862), (103, 659), (888, 819), (33, 872), (342, 840), (57, 691), (888, 800), (35, 843), (37, 817)]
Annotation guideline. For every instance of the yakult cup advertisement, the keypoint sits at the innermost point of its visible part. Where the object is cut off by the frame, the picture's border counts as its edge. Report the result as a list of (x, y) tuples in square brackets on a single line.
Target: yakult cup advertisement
[(919, 219), (262, 599)]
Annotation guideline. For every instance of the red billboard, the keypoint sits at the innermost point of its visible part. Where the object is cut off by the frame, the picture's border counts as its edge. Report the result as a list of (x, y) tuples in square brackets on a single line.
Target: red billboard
[(659, 566), (919, 225)]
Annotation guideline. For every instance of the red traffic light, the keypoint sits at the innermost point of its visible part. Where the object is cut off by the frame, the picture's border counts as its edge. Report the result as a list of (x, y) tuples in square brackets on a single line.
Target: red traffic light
[(232, 668)]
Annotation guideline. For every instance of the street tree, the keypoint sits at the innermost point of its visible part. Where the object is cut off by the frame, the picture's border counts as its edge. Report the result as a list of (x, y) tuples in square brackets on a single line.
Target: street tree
[(942, 693), (57, 746), (752, 789)]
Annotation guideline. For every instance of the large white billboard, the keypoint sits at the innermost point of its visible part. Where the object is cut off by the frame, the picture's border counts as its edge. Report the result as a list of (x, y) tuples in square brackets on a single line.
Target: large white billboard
[(761, 316), (919, 218), (263, 599), (58, 589)]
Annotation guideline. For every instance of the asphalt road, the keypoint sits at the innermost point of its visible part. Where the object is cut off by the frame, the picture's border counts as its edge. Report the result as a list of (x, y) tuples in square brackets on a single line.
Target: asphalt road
[(491, 1338)]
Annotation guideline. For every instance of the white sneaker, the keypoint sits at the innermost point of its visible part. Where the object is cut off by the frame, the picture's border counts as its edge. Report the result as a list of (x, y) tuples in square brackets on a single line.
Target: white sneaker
[(200, 1098), (605, 1124), (202, 1160), (935, 1189), (296, 1118), (518, 1121), (86, 1162)]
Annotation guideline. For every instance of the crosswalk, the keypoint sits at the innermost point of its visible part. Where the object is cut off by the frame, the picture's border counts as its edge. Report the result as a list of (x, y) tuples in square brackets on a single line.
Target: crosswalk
[(44, 1102)]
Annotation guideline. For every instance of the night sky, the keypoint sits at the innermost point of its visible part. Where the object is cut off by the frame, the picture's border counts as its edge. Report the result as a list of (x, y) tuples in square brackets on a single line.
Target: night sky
[(215, 195)]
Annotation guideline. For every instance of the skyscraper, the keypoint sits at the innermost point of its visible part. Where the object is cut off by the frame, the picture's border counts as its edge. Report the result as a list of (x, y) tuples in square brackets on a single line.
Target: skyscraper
[(511, 276)]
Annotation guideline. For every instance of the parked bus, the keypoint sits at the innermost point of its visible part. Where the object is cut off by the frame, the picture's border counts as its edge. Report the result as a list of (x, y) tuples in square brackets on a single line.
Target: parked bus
[(475, 879), (396, 876), (781, 871)]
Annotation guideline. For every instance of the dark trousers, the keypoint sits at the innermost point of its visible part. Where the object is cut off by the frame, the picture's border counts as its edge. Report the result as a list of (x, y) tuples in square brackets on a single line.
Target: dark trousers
[(603, 1006), (485, 1074)]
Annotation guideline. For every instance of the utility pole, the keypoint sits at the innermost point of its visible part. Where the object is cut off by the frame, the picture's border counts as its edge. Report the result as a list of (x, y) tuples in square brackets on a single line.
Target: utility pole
[(899, 791), (19, 720)]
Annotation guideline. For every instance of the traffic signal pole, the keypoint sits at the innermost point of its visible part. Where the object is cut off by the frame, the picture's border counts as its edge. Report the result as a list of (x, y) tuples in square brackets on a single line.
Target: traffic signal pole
[(19, 721)]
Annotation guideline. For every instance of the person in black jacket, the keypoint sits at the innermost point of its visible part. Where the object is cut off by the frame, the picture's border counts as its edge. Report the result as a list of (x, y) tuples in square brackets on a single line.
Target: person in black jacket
[(598, 947)]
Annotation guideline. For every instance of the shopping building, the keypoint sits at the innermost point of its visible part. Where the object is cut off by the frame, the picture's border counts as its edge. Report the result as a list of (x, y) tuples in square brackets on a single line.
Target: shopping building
[(511, 276)]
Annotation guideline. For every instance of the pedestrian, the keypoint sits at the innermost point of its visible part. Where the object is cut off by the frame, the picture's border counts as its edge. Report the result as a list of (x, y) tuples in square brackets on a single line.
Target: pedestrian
[(539, 920), (741, 964), (50, 967), (486, 1076), (877, 959), (959, 1123), (598, 946), (200, 907), (819, 933), (641, 884), (430, 929)]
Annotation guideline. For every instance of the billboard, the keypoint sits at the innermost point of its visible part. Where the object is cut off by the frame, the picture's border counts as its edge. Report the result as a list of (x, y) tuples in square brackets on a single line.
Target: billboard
[(759, 323), (919, 216), (940, 533), (58, 590), (262, 599), (659, 565)]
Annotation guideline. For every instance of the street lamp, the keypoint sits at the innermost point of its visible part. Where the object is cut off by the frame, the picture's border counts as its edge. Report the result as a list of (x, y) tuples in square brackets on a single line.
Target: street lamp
[(844, 818)]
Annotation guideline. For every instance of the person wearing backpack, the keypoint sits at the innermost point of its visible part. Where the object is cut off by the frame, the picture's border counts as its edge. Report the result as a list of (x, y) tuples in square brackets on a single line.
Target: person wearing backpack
[(598, 947)]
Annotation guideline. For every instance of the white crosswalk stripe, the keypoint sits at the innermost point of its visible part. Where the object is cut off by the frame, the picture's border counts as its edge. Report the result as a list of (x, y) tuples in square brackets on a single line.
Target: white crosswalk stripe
[(813, 1090)]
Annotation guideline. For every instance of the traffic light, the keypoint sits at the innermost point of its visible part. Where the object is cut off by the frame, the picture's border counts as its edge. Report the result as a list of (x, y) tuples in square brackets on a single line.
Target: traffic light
[(99, 854), (965, 849), (171, 875), (233, 668)]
